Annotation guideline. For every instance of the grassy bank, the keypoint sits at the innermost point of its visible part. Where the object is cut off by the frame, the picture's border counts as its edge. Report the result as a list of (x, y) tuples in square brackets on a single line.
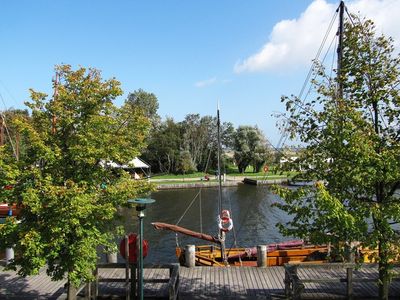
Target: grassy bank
[(200, 177)]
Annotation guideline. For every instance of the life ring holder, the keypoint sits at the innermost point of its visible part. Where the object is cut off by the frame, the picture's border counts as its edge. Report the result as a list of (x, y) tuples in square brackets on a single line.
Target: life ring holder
[(266, 168)]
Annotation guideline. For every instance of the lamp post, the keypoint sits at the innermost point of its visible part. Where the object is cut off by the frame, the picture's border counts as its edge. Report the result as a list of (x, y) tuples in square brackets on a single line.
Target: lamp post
[(140, 208)]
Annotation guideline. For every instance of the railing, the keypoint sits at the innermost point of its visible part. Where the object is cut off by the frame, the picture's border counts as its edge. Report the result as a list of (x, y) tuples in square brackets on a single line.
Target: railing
[(294, 285), (92, 292)]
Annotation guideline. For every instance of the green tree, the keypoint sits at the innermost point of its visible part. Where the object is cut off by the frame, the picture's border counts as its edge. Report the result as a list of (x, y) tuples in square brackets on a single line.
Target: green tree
[(148, 102), (353, 148), (69, 198), (196, 137), (227, 135), (195, 134), (250, 148), (164, 147), (8, 133), (186, 164)]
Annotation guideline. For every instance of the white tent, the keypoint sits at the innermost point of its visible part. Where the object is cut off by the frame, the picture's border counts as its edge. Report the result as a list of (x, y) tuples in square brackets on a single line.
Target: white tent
[(135, 163)]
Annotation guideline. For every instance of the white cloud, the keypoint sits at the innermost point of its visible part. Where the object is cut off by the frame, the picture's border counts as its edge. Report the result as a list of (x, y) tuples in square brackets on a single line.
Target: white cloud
[(384, 13), (211, 81), (206, 82), (294, 43)]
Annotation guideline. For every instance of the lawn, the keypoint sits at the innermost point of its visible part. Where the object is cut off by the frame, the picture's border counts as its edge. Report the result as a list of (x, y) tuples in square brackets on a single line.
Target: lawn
[(231, 172)]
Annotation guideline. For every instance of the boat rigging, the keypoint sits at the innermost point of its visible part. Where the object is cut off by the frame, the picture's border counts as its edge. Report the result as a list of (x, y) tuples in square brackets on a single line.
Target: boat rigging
[(294, 250)]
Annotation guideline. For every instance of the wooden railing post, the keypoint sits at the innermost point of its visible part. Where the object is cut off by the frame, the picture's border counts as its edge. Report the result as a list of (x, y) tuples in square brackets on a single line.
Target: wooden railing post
[(173, 287), (287, 283), (88, 290), (350, 283), (297, 288), (96, 283)]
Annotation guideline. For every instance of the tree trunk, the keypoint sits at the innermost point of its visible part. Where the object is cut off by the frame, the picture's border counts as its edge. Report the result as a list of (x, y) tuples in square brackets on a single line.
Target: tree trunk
[(383, 273), (71, 293)]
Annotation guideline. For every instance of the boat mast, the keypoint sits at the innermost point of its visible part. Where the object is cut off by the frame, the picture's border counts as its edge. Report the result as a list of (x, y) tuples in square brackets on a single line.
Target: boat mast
[(219, 161), (340, 52), (221, 234), (2, 139), (55, 96)]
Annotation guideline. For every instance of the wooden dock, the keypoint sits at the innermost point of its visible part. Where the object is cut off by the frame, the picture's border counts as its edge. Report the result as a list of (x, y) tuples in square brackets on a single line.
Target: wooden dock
[(195, 283), (40, 286)]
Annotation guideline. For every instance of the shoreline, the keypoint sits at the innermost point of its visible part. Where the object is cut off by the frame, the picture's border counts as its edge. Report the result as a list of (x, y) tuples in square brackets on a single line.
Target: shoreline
[(228, 183)]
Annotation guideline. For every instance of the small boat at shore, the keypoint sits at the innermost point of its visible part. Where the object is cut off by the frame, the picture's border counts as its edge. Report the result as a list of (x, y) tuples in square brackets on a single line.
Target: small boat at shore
[(9, 210)]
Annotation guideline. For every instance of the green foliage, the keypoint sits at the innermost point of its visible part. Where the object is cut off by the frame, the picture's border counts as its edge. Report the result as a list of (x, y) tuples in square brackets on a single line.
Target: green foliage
[(353, 146), (196, 134), (319, 216), (199, 138), (186, 164), (147, 102), (163, 150), (59, 178), (250, 148)]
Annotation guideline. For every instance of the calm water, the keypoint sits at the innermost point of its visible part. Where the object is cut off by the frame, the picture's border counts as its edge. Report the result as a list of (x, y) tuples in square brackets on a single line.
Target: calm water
[(254, 218)]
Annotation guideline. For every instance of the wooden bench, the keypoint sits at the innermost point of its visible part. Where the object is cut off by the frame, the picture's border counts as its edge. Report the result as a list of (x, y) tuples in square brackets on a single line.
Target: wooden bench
[(295, 284)]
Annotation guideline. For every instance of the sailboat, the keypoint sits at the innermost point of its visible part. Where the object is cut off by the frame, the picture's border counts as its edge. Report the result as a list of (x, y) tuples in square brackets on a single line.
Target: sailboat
[(216, 253)]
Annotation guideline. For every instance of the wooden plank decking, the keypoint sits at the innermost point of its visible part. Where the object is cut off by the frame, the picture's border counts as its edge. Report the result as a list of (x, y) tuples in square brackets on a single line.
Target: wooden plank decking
[(14, 287), (197, 283)]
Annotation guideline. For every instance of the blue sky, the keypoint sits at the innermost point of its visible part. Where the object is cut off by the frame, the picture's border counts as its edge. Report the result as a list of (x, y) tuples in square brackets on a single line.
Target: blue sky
[(191, 54)]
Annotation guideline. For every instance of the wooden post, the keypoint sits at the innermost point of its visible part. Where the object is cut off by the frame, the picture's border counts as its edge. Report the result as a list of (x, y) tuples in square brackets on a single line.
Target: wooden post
[(287, 283), (174, 278), (261, 256), (190, 256), (96, 289), (350, 283), (88, 290)]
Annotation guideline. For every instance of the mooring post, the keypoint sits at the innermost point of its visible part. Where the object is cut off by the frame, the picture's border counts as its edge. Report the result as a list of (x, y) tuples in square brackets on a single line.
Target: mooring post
[(261, 256), (190, 257), (9, 255), (111, 257)]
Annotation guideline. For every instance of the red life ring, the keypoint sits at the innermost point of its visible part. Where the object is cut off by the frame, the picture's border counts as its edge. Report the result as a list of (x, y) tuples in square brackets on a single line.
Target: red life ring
[(225, 222), (266, 168), (133, 250)]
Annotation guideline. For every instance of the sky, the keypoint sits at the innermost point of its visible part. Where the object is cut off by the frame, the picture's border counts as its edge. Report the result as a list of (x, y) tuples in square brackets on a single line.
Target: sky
[(190, 54)]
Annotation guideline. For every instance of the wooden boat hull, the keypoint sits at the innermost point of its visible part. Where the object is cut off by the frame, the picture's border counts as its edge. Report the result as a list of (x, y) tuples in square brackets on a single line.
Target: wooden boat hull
[(4, 210), (210, 255)]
